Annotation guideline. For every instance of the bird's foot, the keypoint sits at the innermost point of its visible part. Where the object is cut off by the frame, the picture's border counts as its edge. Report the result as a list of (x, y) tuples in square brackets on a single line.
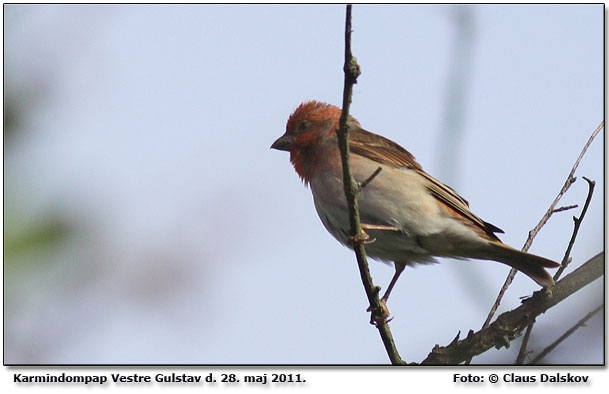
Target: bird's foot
[(362, 238), (379, 316)]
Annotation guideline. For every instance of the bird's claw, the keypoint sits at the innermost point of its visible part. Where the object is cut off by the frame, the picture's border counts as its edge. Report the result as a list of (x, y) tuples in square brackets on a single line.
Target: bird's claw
[(362, 238), (379, 317)]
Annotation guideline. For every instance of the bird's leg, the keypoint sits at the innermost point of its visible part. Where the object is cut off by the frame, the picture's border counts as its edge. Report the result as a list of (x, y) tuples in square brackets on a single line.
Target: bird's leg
[(379, 227), (374, 318), (399, 267)]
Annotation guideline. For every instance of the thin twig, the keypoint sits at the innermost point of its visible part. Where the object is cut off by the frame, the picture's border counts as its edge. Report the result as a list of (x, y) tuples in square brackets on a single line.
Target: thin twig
[(352, 188), (565, 208), (564, 336), (522, 353), (570, 179), (576, 224), (564, 263), (542, 222), (509, 325), (366, 181)]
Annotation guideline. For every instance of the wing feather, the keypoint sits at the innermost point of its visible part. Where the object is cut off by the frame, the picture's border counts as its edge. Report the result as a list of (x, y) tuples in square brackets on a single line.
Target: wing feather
[(385, 151)]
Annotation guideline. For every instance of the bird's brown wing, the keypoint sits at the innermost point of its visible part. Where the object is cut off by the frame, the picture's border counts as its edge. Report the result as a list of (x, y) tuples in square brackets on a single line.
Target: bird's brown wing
[(453, 201), (380, 149), (385, 151)]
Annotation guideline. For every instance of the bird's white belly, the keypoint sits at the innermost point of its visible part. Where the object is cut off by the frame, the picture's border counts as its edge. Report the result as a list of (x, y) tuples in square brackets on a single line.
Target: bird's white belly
[(412, 210)]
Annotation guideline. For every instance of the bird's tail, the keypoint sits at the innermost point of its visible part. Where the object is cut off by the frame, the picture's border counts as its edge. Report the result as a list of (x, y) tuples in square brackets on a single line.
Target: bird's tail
[(529, 264)]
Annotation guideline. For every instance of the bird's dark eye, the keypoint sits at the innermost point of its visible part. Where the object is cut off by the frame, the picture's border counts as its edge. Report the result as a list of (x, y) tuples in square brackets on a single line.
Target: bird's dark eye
[(303, 126)]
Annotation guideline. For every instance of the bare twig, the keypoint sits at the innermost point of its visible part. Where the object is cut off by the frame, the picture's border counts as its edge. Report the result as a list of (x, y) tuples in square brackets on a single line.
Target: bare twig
[(510, 325), (564, 336), (352, 188), (525, 339), (565, 208), (564, 263), (576, 224), (570, 179), (542, 222), (366, 181)]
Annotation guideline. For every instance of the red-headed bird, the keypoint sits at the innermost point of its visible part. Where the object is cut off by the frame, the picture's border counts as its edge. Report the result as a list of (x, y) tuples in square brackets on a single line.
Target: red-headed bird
[(410, 215)]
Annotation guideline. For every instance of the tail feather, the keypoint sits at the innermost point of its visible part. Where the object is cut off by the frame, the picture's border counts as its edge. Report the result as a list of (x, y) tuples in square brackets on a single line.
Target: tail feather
[(529, 264)]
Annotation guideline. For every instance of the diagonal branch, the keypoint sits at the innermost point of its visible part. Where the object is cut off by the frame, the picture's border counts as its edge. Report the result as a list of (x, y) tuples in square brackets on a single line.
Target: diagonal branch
[(570, 179), (565, 261), (565, 208), (552, 209), (564, 336), (510, 325), (352, 189)]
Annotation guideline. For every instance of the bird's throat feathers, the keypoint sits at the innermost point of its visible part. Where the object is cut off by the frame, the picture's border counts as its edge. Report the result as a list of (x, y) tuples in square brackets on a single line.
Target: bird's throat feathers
[(302, 160)]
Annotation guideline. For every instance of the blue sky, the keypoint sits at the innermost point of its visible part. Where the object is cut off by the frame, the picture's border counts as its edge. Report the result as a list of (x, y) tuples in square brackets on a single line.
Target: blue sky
[(149, 128)]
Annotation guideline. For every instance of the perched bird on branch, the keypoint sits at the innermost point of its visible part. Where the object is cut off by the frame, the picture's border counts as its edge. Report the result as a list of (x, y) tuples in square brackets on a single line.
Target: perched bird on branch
[(409, 216)]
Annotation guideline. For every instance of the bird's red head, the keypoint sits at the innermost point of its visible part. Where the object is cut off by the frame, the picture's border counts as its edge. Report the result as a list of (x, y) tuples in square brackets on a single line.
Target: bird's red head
[(309, 126), (310, 122)]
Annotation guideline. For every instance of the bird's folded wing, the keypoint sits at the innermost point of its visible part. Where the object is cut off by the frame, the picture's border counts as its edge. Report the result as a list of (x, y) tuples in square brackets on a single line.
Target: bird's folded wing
[(457, 203), (385, 151)]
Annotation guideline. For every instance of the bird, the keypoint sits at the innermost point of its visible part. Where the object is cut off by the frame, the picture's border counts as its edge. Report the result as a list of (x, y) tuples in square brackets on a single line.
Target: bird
[(409, 216)]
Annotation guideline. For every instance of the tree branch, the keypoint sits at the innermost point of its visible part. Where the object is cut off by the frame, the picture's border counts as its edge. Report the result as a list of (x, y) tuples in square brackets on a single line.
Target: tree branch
[(510, 325), (564, 336), (352, 188), (564, 263), (570, 179), (576, 224), (565, 208)]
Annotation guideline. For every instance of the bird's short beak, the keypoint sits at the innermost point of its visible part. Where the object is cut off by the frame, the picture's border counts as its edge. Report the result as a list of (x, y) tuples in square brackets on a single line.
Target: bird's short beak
[(283, 143)]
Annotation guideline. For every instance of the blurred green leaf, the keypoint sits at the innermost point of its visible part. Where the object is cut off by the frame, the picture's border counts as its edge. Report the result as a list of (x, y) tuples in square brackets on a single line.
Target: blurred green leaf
[(43, 234)]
